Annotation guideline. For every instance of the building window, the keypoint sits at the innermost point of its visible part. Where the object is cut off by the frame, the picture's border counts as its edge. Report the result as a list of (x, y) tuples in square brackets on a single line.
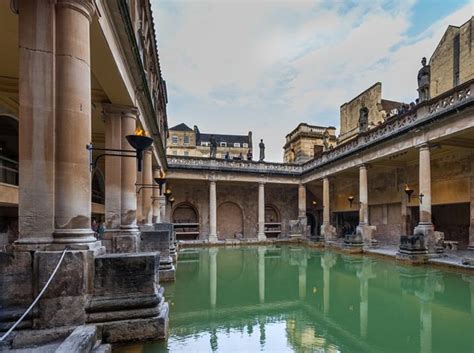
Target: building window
[(186, 140), (236, 144), (245, 145), (175, 153), (186, 153), (174, 140), (223, 144), (205, 143)]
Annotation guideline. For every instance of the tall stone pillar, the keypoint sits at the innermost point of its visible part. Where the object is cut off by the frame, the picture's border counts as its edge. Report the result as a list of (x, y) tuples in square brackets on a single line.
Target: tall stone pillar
[(261, 274), (213, 276), (327, 230), (147, 177), (261, 212), (73, 123), (364, 229), (36, 123), (425, 226), (301, 202), (156, 200), (127, 241), (212, 212), (328, 260), (162, 203)]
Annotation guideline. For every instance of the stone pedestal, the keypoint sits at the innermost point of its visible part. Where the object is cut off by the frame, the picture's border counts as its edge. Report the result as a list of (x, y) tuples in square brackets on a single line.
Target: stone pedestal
[(127, 303), (159, 240), (173, 251)]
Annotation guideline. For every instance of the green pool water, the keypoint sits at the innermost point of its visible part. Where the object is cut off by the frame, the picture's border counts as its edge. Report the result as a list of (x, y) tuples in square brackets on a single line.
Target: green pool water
[(294, 299)]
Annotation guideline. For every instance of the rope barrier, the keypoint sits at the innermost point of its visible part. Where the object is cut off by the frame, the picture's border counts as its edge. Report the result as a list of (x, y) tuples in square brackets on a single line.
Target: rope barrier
[(36, 299)]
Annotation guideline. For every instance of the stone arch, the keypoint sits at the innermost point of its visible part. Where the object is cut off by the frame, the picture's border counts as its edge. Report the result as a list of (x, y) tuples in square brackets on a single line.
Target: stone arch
[(272, 214), (98, 187), (9, 132), (185, 212), (230, 220)]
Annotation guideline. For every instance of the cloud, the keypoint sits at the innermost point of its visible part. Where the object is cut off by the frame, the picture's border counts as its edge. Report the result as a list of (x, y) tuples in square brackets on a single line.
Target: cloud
[(265, 66)]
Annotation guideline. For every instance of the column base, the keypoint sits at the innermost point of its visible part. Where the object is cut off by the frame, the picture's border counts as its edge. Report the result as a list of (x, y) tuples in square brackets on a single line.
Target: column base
[(366, 232), (126, 240), (426, 230), (328, 232), (213, 238), (261, 237)]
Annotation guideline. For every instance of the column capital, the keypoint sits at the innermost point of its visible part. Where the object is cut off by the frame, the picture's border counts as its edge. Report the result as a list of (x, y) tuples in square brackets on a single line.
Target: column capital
[(424, 146), (364, 166), (85, 7), (118, 110)]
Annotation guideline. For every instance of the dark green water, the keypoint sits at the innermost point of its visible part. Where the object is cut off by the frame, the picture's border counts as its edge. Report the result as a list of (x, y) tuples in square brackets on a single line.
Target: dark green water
[(293, 299)]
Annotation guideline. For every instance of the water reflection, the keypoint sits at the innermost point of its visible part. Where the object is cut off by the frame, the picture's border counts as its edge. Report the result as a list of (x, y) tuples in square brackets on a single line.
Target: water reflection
[(293, 299)]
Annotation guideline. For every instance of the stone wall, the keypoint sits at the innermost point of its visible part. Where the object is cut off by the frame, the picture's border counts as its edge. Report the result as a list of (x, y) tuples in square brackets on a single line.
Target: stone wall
[(350, 111), (242, 196), (442, 60)]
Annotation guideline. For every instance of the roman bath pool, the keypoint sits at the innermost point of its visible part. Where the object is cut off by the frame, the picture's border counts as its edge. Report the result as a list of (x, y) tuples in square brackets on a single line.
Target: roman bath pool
[(295, 299)]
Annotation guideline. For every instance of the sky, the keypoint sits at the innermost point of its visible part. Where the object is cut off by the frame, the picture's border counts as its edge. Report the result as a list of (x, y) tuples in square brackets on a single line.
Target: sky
[(233, 66)]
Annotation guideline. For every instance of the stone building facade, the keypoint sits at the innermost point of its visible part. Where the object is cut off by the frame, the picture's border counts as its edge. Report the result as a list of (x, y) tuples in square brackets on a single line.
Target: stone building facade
[(184, 141), (307, 141)]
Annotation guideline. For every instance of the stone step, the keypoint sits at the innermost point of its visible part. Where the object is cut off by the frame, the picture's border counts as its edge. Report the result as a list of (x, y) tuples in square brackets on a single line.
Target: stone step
[(82, 340)]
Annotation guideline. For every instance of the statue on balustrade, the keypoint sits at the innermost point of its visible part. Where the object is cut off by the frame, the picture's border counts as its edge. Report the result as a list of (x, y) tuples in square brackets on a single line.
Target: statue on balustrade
[(424, 81), (213, 147), (261, 145)]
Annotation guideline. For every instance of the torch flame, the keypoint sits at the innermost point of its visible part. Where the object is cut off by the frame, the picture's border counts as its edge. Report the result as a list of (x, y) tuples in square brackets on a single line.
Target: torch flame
[(139, 132), (407, 187), (162, 174)]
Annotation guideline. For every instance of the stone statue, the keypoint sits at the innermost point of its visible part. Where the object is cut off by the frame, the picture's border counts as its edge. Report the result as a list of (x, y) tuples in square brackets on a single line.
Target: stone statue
[(363, 119), (213, 147), (424, 81), (326, 140), (262, 150)]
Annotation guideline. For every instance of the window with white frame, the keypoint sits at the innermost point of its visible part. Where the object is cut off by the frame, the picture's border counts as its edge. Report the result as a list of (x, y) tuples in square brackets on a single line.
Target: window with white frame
[(236, 144), (205, 143), (223, 144), (186, 153), (175, 153), (186, 140), (174, 140), (245, 145)]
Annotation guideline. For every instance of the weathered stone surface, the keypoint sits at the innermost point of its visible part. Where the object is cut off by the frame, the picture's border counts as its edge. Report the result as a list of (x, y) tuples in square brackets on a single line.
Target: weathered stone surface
[(16, 279), (117, 274), (29, 338), (103, 348), (160, 240), (125, 242), (138, 329), (81, 340)]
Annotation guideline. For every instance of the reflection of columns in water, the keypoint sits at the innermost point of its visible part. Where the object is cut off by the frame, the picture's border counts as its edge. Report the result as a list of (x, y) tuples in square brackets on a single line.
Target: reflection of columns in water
[(302, 281), (364, 275), (425, 326), (213, 276), (262, 332), (261, 274), (328, 260)]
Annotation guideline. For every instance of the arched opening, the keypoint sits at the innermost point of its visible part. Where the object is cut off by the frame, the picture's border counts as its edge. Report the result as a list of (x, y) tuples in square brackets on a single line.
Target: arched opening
[(230, 223), (8, 150), (98, 187), (186, 221), (272, 222)]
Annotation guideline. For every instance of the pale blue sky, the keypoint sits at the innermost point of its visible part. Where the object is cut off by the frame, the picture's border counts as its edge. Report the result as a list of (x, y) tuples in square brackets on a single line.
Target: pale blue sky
[(266, 65)]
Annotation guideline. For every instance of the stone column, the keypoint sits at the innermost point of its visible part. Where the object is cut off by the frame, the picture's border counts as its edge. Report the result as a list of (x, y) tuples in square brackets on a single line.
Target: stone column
[(328, 260), (127, 242), (73, 123), (364, 229), (36, 123), (261, 274), (212, 212), (327, 230), (301, 201), (261, 212), (213, 276), (156, 200), (147, 177), (162, 203), (425, 226)]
